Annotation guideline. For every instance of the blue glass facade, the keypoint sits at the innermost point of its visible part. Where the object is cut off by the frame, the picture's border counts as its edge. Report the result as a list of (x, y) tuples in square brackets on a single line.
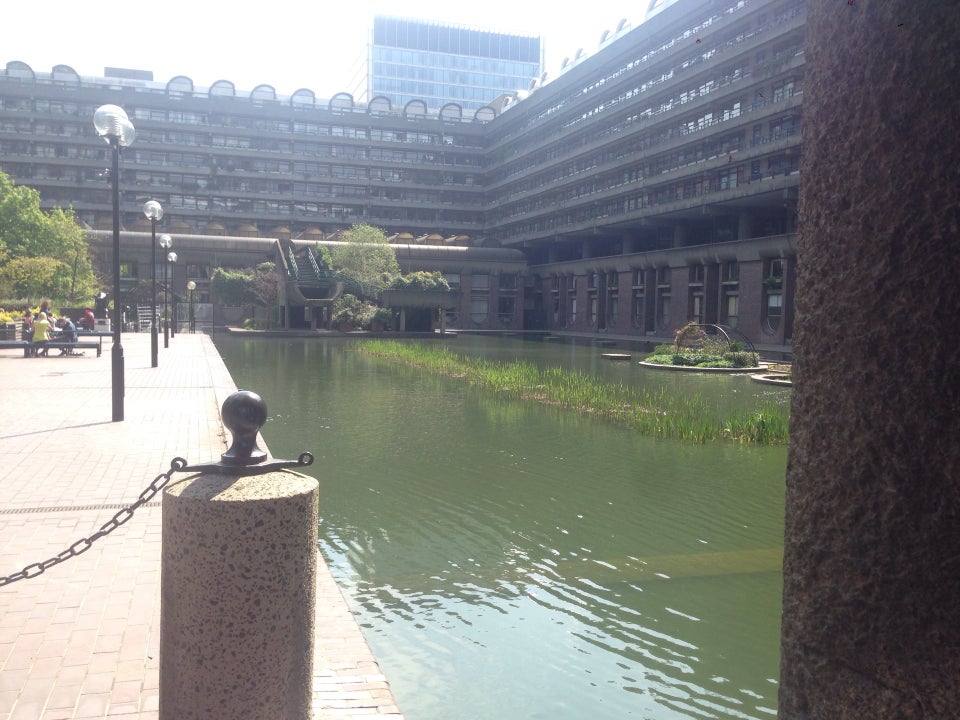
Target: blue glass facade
[(415, 60)]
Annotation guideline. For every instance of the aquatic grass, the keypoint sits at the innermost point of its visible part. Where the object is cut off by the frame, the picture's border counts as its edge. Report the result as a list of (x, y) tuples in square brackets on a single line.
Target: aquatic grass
[(654, 413)]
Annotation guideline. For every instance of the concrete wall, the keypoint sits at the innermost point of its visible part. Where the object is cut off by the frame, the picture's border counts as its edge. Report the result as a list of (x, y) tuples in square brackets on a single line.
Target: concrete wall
[(871, 617)]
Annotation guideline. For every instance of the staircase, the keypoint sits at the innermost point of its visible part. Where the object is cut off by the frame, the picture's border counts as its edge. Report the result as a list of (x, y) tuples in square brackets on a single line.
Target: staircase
[(144, 317)]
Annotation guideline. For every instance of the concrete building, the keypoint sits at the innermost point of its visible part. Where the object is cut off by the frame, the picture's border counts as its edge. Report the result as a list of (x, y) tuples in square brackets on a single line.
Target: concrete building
[(652, 183)]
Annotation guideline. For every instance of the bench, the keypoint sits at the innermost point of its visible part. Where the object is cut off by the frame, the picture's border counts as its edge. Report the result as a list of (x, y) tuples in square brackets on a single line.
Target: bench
[(17, 344), (60, 345), (29, 348)]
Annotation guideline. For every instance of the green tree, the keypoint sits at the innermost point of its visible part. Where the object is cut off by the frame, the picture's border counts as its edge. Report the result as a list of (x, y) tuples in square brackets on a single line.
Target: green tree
[(53, 238), (366, 257), (30, 277), (246, 287), (232, 287), (265, 287)]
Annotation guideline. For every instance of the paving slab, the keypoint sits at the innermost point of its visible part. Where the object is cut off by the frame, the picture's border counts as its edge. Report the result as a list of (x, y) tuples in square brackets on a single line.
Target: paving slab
[(81, 639)]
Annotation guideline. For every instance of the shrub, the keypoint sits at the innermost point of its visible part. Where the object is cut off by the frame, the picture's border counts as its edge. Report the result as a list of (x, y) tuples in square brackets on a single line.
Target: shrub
[(350, 310), (741, 358), (421, 280), (383, 316)]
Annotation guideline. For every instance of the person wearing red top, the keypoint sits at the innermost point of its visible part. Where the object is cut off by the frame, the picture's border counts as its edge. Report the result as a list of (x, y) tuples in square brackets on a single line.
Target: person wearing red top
[(88, 321)]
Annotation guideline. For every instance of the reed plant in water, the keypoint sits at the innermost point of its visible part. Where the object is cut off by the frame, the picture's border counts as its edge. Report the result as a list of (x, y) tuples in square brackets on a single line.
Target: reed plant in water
[(655, 413)]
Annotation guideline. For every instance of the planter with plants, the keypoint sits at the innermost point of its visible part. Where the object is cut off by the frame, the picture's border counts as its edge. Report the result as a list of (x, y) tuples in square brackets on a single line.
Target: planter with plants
[(420, 289), (693, 348)]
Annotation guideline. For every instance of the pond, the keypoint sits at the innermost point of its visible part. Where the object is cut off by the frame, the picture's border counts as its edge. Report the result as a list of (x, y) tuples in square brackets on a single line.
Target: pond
[(509, 560)]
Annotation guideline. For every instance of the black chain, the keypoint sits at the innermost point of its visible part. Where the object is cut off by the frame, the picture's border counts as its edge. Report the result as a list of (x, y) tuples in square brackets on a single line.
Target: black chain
[(83, 544)]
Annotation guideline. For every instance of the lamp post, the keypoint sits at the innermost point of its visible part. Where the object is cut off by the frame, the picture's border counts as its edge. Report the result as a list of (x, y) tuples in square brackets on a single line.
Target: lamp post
[(112, 124), (191, 286), (171, 260), (165, 242), (154, 212)]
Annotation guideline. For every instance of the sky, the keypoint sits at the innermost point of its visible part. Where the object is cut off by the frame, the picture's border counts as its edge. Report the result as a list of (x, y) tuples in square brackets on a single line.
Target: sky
[(289, 44)]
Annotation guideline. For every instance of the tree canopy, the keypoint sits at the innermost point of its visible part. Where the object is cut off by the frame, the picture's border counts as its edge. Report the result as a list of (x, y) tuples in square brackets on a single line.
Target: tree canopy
[(246, 286), (367, 258), (42, 254)]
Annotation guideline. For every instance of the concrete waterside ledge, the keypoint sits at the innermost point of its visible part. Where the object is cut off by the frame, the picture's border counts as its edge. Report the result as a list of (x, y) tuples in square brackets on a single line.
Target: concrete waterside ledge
[(82, 639), (716, 371)]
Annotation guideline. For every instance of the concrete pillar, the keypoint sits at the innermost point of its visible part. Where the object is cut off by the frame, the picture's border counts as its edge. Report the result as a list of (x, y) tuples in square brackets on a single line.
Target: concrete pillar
[(238, 597), (679, 235), (871, 611)]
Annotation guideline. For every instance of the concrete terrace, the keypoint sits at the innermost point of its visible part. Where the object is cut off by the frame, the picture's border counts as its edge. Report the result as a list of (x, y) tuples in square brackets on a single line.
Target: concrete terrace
[(81, 640)]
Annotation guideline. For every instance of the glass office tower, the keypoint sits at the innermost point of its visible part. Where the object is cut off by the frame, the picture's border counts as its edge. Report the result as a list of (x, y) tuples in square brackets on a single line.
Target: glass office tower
[(439, 64)]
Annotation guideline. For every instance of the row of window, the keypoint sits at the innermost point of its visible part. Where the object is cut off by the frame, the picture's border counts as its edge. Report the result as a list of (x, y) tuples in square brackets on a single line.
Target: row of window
[(637, 144), (656, 313), (670, 162), (470, 88), (716, 181), (638, 64), (420, 36), (264, 127), (474, 71)]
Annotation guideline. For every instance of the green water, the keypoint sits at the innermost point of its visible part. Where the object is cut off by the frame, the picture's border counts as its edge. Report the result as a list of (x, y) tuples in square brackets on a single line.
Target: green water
[(509, 561)]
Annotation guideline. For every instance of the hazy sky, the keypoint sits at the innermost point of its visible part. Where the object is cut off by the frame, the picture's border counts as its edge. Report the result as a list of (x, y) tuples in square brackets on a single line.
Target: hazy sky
[(283, 43)]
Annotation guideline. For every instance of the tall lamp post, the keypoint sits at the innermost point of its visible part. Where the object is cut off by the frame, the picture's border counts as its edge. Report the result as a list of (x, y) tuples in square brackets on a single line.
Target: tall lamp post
[(153, 211), (165, 242), (191, 286), (172, 260), (112, 124)]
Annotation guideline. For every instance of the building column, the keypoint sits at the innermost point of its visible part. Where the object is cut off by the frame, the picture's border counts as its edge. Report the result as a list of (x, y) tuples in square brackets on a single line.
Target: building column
[(679, 235), (871, 605)]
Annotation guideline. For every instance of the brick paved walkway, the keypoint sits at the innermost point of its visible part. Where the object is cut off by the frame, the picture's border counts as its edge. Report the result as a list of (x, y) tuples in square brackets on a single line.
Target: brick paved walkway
[(81, 640)]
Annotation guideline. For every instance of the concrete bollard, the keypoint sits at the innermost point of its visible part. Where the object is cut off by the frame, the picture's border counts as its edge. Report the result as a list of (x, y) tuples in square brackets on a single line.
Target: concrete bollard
[(238, 592)]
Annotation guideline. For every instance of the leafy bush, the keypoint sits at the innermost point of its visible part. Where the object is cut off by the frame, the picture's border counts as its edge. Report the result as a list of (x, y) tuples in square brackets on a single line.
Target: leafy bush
[(742, 358), (350, 310), (703, 359), (421, 280), (384, 317)]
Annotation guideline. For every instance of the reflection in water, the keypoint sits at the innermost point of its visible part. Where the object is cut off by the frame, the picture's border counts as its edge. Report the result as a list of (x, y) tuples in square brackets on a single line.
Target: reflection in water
[(508, 560)]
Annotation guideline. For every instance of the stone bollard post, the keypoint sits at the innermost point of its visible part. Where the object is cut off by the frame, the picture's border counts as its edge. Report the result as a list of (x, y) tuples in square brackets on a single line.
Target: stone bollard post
[(238, 584)]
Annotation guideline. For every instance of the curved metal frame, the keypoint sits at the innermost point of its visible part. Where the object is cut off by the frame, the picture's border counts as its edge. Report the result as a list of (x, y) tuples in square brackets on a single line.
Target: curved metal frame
[(729, 334)]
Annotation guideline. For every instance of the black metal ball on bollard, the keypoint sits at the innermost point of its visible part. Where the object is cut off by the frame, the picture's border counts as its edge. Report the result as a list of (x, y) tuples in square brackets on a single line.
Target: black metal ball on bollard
[(244, 413)]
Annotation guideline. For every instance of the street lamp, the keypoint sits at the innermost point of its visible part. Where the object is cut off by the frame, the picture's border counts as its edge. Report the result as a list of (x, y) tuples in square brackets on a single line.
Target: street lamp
[(191, 286), (112, 124), (153, 211), (171, 260), (165, 242)]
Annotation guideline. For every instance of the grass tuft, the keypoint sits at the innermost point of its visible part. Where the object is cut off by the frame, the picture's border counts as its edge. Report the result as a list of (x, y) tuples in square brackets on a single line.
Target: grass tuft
[(654, 413)]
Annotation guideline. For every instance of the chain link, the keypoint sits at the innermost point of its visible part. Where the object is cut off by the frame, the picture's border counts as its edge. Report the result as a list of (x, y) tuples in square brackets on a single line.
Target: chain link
[(83, 544)]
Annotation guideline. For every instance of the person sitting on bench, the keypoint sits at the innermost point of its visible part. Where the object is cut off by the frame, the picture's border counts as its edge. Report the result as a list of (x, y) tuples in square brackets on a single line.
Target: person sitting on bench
[(41, 333), (68, 333), (88, 321)]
